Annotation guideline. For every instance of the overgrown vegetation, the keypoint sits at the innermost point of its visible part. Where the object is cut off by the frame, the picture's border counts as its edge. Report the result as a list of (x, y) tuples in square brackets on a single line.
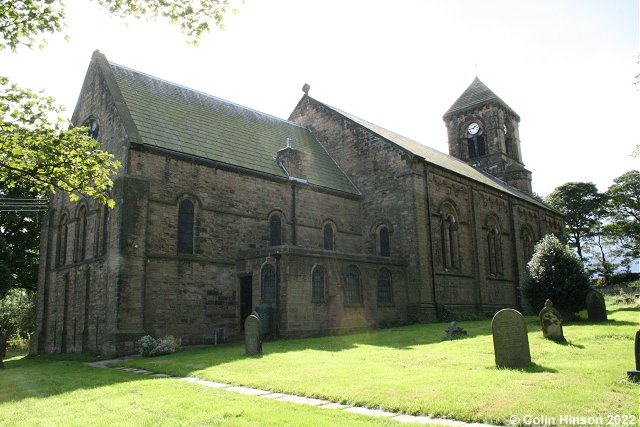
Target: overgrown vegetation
[(17, 317)]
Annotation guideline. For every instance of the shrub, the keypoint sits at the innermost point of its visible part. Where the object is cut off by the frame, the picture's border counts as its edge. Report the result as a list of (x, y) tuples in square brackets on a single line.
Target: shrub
[(150, 346), (557, 273)]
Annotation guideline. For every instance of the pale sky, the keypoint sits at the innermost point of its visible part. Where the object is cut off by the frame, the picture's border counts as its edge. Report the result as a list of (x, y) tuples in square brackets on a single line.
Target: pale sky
[(565, 66)]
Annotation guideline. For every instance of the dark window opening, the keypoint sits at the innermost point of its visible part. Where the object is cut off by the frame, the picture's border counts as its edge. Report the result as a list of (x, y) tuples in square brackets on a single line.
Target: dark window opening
[(61, 246), (268, 283), (385, 290), (328, 237), (81, 235), (317, 284), (185, 227), (92, 132), (384, 242), (476, 146), (275, 231), (353, 288), (105, 230), (495, 251), (450, 242)]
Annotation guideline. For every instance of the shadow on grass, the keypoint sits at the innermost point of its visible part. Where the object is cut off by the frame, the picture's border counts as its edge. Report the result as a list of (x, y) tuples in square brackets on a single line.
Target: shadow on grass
[(533, 368), (567, 344), (42, 376)]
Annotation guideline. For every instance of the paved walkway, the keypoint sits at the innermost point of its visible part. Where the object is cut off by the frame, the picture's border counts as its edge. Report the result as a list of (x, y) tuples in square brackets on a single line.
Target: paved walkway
[(282, 397)]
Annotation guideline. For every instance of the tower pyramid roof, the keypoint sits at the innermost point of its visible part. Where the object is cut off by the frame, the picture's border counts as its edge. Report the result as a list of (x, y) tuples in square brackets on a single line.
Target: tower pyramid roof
[(475, 95)]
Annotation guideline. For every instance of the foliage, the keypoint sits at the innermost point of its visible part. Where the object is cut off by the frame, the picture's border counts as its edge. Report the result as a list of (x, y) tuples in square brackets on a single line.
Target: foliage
[(556, 273), (22, 20), (19, 241), (150, 346), (193, 17), (580, 203), (17, 311), (624, 208), (41, 151)]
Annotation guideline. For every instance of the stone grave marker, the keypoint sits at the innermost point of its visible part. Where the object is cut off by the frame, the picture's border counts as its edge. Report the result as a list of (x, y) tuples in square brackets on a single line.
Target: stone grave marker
[(634, 374), (596, 308), (551, 321), (252, 342), (454, 331), (510, 340)]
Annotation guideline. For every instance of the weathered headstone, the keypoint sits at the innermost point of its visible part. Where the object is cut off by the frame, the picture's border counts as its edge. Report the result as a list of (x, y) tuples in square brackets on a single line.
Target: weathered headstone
[(634, 374), (596, 308), (510, 340), (252, 341), (3, 348), (454, 331), (551, 321)]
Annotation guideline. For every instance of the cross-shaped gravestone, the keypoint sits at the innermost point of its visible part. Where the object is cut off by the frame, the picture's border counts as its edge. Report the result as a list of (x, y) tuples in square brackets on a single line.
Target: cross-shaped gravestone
[(454, 331)]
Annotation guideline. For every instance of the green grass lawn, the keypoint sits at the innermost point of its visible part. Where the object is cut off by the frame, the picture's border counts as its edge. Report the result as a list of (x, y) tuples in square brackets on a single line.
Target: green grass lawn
[(50, 391), (413, 370), (409, 369)]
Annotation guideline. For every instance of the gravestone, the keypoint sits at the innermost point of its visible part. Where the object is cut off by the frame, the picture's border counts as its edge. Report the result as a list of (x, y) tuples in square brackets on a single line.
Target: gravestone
[(596, 308), (454, 331), (510, 340), (634, 374), (252, 342), (551, 321)]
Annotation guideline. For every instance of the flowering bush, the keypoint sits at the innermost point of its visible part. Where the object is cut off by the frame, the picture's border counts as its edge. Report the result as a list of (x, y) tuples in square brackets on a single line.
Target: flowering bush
[(150, 346)]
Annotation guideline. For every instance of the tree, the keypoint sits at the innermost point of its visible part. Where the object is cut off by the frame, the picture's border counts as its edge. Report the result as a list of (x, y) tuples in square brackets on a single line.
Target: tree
[(624, 210), (19, 234), (555, 272), (580, 203), (36, 145)]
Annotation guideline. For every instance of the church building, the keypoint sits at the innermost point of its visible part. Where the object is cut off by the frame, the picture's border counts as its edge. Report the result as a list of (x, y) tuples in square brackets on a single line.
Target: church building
[(324, 222)]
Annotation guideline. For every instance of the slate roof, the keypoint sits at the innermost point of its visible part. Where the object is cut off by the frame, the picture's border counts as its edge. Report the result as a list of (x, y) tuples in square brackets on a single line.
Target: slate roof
[(475, 95), (161, 114), (438, 158)]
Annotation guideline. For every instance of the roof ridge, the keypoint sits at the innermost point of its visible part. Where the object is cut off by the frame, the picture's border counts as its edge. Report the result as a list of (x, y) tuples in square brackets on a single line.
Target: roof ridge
[(208, 95)]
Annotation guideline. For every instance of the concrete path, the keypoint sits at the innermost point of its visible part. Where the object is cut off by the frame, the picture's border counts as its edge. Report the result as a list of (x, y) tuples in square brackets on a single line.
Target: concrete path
[(282, 397)]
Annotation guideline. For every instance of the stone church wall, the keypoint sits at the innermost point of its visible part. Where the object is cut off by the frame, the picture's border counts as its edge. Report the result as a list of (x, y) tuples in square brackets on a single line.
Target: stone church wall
[(392, 183)]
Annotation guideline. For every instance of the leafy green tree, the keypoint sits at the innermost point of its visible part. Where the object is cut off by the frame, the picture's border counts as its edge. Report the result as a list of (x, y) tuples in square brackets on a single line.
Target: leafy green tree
[(624, 209), (36, 145), (17, 314), (580, 203), (557, 273)]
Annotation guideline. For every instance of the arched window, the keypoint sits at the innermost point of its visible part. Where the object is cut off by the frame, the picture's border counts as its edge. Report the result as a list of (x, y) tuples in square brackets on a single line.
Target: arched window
[(275, 230), (61, 244), (528, 243), (353, 287), (384, 243), (81, 234), (185, 227), (105, 231), (268, 283), (385, 290), (329, 240), (450, 241), (494, 250), (92, 130), (318, 284)]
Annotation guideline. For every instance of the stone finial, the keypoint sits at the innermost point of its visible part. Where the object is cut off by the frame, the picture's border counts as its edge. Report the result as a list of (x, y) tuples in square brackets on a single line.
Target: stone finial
[(305, 88)]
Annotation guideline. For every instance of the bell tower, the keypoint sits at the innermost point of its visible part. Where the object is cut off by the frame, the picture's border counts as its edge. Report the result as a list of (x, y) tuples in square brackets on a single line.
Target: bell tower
[(483, 131)]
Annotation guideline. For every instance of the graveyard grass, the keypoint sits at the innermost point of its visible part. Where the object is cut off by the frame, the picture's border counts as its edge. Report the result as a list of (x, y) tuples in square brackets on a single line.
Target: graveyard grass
[(407, 369), (413, 370)]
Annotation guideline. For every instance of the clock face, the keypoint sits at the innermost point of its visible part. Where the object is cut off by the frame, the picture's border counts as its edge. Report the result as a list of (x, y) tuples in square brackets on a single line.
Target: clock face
[(473, 128)]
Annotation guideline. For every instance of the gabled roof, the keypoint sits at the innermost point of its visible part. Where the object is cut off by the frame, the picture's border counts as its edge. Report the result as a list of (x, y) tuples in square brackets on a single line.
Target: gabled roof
[(166, 115), (475, 95), (440, 159)]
